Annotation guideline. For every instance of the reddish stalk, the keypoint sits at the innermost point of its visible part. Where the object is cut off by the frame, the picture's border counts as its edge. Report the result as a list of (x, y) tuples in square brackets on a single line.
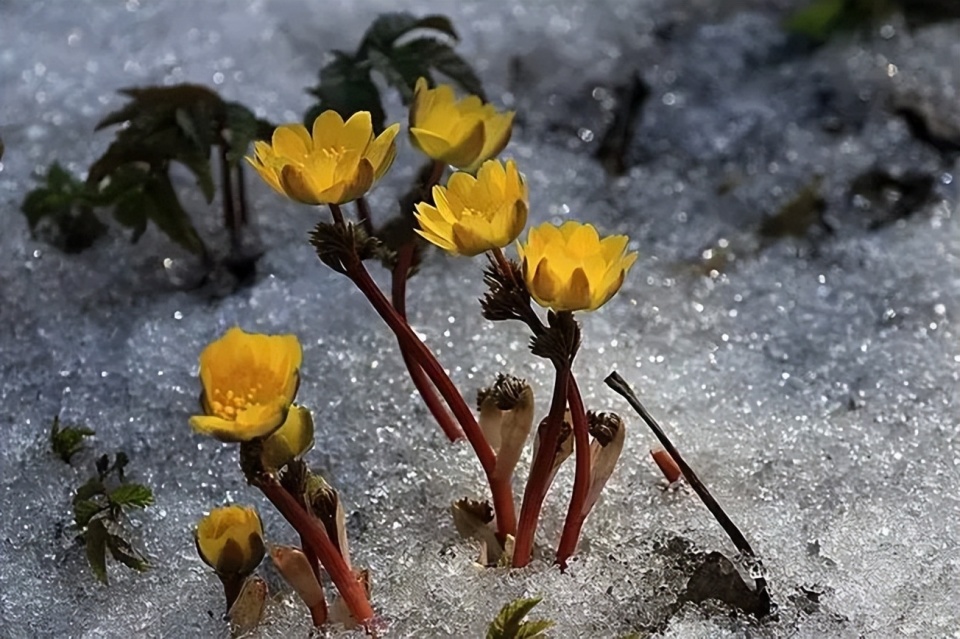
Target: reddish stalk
[(312, 559), (500, 489), (232, 586), (576, 512), (537, 483), (318, 614), (312, 532), (424, 387)]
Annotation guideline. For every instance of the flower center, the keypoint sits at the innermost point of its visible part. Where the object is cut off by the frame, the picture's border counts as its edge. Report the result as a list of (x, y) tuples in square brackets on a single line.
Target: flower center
[(227, 404)]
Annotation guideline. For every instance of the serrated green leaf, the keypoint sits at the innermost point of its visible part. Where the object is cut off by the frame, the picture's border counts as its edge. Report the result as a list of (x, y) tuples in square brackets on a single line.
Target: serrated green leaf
[(126, 554), (95, 540), (389, 27), (402, 65), (163, 208), (84, 510), (509, 623), (346, 87), (58, 212), (242, 127), (68, 440), (132, 496)]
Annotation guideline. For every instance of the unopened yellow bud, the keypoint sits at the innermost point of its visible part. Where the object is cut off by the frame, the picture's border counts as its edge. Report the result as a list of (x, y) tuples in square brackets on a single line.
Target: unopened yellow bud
[(230, 540), (292, 440)]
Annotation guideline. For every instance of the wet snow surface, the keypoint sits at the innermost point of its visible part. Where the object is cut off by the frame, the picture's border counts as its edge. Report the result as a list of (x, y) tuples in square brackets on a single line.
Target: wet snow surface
[(812, 381)]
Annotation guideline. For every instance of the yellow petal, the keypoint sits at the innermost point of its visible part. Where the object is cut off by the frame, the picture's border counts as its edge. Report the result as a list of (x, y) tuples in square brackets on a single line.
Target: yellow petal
[(468, 148), (296, 184), (326, 129), (292, 141), (383, 150), (430, 144), (577, 293), (438, 240)]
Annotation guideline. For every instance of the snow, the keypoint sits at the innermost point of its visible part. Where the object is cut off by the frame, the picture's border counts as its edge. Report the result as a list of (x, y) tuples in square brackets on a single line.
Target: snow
[(813, 383)]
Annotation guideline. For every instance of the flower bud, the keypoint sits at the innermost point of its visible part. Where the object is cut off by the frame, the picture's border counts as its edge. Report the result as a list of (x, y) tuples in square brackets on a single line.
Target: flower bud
[(230, 540), (292, 440), (323, 503), (608, 436)]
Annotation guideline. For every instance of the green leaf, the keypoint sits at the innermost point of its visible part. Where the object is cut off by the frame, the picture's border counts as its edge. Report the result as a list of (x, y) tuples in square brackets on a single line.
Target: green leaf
[(163, 208), (389, 27), (417, 57), (120, 461), (132, 496), (346, 87), (84, 510), (95, 540), (818, 20), (58, 212), (241, 128), (509, 623), (93, 487), (126, 554), (68, 440)]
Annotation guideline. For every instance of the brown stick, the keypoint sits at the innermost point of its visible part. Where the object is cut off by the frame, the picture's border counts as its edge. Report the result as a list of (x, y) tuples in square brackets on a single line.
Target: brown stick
[(623, 389)]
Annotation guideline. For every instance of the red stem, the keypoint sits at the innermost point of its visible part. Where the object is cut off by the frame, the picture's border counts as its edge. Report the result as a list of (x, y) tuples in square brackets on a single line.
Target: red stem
[(316, 538), (500, 489), (424, 387), (311, 556), (576, 513), (318, 614), (538, 482)]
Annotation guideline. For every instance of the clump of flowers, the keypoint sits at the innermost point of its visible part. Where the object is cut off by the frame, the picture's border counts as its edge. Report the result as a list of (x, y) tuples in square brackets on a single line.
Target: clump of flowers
[(250, 381)]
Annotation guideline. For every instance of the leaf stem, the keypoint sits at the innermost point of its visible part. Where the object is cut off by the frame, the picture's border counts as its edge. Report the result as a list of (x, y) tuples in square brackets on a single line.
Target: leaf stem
[(312, 532), (539, 480), (424, 387), (501, 490), (576, 514)]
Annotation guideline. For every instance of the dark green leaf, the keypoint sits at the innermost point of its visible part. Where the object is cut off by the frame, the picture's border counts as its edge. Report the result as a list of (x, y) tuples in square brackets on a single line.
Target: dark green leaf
[(95, 539), (821, 18), (94, 486), (346, 87), (126, 554), (59, 213), (103, 466), (417, 57), (132, 496), (84, 510), (509, 623), (389, 27), (242, 128), (67, 441), (120, 462), (164, 209)]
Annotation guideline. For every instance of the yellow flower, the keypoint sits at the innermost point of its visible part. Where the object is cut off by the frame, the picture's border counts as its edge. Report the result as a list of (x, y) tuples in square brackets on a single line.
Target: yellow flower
[(569, 268), (475, 214), (249, 381), (291, 440), (463, 133), (338, 163), (230, 540)]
